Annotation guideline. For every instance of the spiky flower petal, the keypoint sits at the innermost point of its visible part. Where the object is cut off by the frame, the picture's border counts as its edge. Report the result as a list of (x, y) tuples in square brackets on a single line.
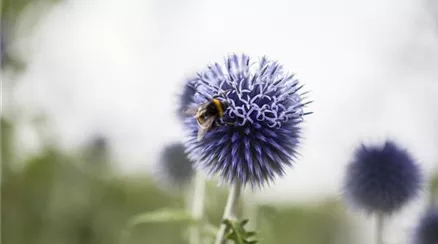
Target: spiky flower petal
[(258, 135), (382, 179)]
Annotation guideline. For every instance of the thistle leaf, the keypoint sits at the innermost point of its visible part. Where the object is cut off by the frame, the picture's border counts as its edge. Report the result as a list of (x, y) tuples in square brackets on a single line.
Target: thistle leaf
[(235, 231), (164, 215)]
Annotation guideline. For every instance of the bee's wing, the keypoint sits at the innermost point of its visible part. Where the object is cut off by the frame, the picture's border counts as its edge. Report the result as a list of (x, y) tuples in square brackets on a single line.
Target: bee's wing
[(191, 111), (202, 129)]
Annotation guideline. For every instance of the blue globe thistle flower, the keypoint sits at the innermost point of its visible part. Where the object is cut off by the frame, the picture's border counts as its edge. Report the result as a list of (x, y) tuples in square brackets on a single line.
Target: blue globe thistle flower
[(382, 179), (258, 135), (174, 167), (427, 230)]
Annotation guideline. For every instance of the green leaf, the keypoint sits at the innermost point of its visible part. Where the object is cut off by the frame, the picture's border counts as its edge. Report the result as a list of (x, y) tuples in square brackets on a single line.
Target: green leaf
[(161, 216), (236, 232), (244, 222)]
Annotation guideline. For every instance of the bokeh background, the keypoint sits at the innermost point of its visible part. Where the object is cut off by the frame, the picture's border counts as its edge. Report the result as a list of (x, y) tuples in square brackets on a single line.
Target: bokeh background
[(89, 93)]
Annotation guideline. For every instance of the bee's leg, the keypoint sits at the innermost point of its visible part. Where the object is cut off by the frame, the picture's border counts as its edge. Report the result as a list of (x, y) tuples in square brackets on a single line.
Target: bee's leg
[(227, 123)]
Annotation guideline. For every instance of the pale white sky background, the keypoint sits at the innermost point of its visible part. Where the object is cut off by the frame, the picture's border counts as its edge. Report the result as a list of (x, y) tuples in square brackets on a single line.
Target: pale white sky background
[(115, 66)]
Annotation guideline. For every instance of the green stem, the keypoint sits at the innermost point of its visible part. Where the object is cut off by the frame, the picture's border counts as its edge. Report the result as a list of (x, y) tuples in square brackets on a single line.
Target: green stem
[(433, 190), (197, 208), (230, 210), (250, 210), (379, 228)]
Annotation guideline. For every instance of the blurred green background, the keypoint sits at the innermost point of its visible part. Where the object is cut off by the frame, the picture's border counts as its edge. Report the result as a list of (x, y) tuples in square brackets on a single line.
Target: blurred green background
[(78, 197), (61, 197)]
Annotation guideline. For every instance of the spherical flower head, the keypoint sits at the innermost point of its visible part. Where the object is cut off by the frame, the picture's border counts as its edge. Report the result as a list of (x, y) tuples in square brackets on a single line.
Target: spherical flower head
[(174, 168), (427, 230), (381, 179), (258, 134)]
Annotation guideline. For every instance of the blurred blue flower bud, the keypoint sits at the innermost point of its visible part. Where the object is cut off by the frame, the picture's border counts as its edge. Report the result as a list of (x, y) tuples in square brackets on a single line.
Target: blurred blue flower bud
[(174, 168), (427, 230), (381, 179), (186, 98)]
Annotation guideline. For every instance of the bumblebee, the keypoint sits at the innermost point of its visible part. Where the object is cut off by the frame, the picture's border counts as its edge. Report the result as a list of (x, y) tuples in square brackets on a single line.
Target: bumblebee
[(207, 115)]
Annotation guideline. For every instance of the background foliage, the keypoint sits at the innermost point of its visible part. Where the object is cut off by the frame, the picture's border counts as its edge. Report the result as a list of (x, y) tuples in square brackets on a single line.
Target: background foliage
[(61, 197), (70, 197)]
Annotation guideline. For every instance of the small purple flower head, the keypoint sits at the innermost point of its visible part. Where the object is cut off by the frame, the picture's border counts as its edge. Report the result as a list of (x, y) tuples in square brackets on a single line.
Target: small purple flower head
[(258, 134), (427, 230), (382, 179), (174, 167)]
